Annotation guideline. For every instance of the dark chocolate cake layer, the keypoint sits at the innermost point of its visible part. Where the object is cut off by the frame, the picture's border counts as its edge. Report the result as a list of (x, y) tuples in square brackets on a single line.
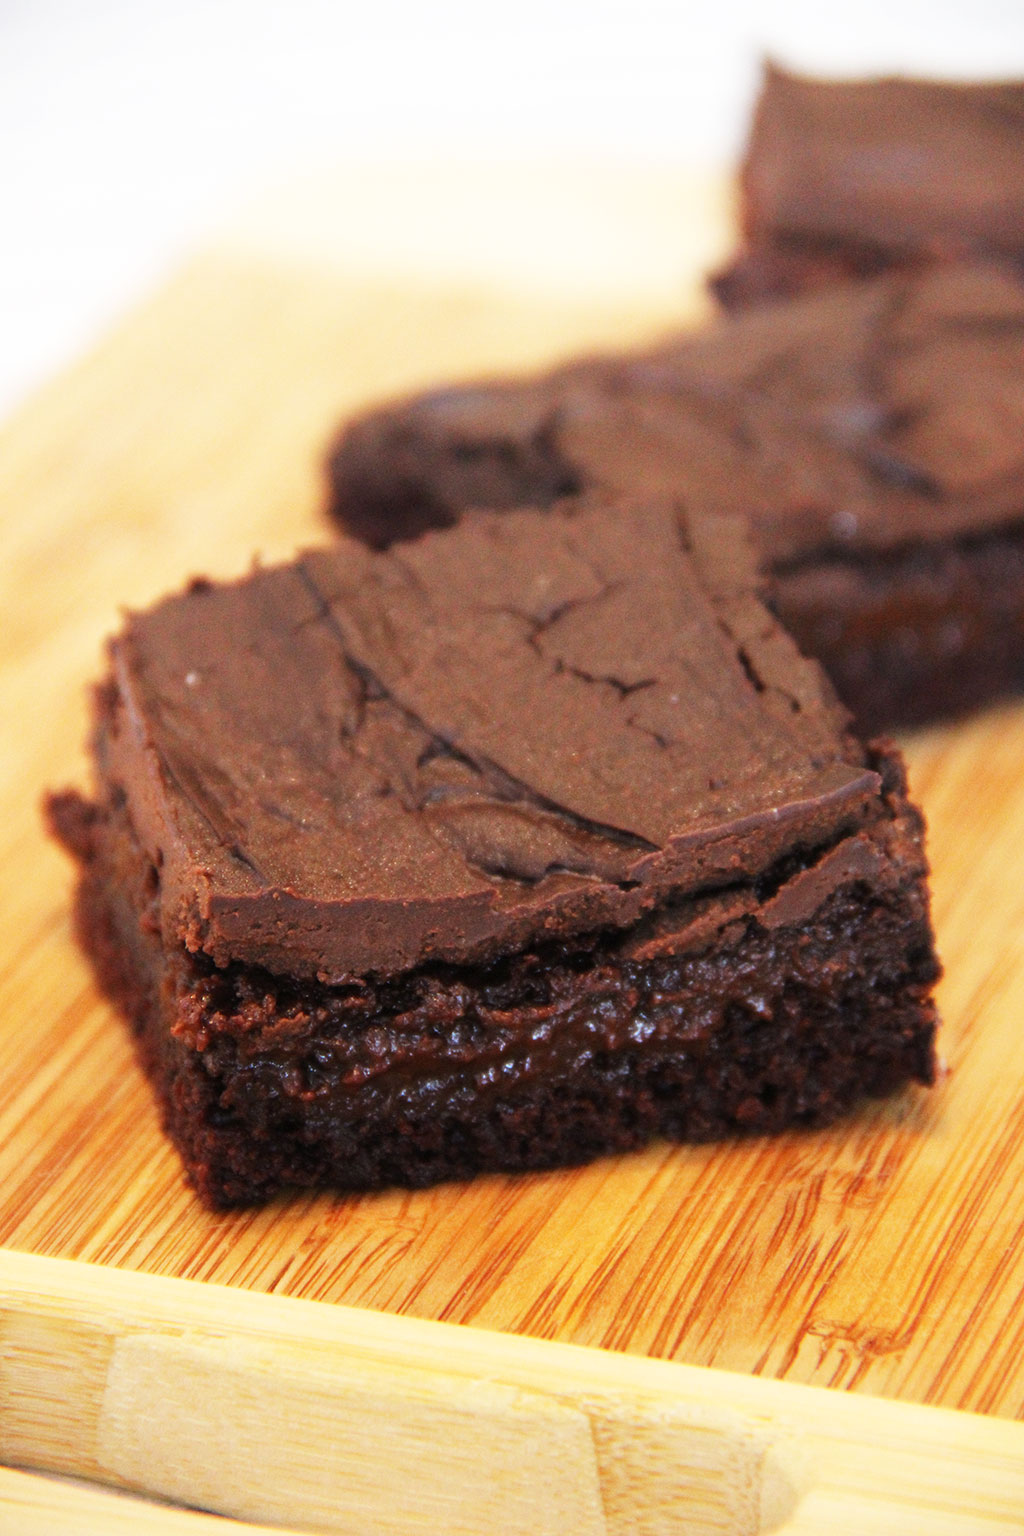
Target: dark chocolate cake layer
[(846, 179), (872, 436), (527, 841), (749, 1010)]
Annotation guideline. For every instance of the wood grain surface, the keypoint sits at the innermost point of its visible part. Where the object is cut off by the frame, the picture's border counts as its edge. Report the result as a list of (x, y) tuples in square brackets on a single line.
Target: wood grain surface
[(885, 1255)]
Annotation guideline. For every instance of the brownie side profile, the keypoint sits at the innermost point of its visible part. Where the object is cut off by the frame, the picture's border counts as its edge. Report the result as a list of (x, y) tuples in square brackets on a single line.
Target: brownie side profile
[(848, 179), (872, 435), (525, 843)]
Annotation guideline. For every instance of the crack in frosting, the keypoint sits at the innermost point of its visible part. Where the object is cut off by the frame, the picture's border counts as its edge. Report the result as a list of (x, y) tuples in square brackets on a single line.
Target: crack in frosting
[(533, 725)]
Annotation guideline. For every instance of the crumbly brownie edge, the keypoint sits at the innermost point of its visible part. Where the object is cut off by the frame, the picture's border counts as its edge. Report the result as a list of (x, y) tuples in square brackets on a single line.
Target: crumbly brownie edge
[(264, 1087), (919, 635), (391, 477), (770, 268)]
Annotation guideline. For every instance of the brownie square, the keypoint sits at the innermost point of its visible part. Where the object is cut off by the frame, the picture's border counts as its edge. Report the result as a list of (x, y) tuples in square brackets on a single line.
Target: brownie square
[(872, 435), (846, 179), (520, 844)]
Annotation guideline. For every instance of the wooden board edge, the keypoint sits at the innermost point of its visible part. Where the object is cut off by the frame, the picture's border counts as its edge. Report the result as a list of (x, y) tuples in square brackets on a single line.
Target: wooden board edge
[(37, 1504), (299, 1414)]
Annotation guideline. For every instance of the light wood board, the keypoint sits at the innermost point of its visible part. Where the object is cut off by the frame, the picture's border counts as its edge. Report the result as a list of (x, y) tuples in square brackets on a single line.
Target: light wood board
[(323, 1418), (885, 1255)]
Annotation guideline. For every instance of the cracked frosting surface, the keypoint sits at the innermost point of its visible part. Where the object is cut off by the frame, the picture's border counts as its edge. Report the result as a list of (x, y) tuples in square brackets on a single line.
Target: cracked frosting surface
[(524, 728)]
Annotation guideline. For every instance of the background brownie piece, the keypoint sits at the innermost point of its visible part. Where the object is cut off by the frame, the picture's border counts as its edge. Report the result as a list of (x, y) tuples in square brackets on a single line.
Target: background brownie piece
[(845, 179), (529, 841), (872, 435)]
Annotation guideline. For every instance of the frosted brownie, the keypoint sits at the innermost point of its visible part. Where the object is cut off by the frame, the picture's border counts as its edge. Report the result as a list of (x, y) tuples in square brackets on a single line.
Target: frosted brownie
[(848, 178), (873, 436), (521, 844)]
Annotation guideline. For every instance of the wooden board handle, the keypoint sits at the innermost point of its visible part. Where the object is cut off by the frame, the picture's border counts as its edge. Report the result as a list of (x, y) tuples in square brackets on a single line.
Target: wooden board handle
[(33, 1504), (297, 1414)]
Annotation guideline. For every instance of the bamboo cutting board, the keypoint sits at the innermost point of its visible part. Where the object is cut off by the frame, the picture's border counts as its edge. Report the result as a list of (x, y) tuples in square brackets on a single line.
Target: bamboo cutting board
[(885, 1255)]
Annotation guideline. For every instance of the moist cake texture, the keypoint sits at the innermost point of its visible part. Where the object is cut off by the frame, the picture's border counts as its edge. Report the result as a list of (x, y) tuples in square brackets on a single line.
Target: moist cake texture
[(524, 842), (872, 436), (847, 179)]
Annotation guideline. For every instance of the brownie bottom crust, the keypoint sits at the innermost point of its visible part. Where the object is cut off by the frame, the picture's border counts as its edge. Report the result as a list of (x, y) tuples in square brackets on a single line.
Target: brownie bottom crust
[(708, 1020)]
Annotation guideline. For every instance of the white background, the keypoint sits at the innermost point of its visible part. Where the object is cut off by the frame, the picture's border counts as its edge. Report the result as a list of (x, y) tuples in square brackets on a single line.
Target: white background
[(129, 130)]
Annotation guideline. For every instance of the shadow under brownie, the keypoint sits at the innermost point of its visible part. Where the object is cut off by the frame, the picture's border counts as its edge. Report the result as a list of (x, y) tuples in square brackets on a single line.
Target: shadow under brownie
[(873, 436), (524, 843)]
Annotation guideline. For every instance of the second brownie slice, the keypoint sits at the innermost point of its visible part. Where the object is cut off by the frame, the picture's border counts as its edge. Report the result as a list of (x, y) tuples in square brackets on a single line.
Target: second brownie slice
[(520, 844), (872, 435)]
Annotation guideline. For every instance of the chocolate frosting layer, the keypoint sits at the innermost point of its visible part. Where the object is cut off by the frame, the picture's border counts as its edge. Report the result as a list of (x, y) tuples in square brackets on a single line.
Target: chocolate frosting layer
[(535, 725), (871, 417)]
